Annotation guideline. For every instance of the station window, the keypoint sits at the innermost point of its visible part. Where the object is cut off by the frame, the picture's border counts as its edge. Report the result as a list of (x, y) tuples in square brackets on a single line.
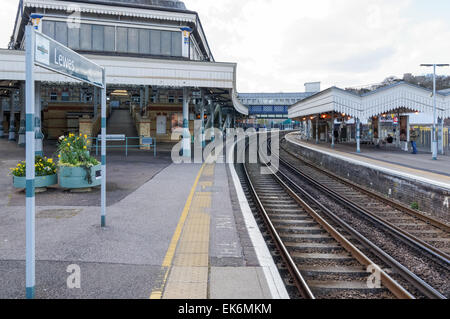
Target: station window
[(100, 38), (180, 99), (53, 96), (61, 32), (171, 99), (133, 40), (86, 37), (65, 96), (122, 40), (154, 98)]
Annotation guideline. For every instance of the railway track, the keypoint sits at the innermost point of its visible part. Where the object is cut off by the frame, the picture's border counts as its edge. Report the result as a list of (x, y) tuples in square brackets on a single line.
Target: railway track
[(321, 259), (422, 231)]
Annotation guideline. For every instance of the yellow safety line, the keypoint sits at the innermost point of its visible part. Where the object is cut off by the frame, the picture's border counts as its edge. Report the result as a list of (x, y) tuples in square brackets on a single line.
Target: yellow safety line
[(167, 262)]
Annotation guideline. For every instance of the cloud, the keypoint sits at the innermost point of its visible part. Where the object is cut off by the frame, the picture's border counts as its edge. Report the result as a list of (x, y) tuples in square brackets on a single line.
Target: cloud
[(7, 19), (279, 45)]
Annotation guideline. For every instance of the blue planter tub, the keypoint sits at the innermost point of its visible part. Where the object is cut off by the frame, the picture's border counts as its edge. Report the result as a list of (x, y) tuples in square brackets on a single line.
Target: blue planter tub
[(39, 181), (75, 177)]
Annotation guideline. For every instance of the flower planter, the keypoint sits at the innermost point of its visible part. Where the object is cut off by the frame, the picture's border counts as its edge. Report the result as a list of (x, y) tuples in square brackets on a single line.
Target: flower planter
[(39, 181), (75, 177)]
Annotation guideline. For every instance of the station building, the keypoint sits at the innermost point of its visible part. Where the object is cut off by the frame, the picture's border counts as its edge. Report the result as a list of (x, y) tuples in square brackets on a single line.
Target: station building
[(340, 115), (271, 110), (160, 71)]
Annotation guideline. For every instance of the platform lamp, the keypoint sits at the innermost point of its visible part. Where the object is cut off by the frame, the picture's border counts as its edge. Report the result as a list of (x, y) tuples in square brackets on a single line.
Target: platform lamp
[(434, 143)]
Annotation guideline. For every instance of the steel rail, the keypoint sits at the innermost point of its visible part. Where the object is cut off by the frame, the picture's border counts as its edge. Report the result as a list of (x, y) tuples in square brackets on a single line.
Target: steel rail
[(412, 278), (388, 201), (401, 234), (299, 281), (388, 281)]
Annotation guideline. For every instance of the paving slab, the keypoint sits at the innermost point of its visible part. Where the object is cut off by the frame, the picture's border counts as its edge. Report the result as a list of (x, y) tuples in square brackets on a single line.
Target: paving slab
[(238, 283)]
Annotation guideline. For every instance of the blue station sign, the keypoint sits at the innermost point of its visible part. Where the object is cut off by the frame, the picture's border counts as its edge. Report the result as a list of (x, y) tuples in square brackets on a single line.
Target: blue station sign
[(56, 57)]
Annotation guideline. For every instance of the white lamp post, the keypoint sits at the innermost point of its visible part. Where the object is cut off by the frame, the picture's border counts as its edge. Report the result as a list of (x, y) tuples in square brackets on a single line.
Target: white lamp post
[(434, 143)]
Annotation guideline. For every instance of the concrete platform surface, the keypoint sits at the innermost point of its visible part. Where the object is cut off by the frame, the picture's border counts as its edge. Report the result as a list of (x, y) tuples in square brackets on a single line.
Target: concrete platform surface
[(180, 234)]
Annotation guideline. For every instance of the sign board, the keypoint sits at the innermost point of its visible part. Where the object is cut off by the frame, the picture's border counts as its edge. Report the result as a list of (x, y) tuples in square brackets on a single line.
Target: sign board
[(55, 57), (147, 141), (197, 94), (114, 137)]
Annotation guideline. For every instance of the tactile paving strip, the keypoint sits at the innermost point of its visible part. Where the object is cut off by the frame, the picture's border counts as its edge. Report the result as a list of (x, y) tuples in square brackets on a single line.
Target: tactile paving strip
[(188, 277)]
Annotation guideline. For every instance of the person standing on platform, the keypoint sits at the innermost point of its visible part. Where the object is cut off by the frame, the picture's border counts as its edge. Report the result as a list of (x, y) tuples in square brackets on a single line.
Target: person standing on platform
[(414, 135)]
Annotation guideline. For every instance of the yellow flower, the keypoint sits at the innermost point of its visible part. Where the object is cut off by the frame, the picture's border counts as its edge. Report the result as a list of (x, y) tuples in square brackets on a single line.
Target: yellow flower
[(50, 160), (59, 155), (68, 144), (85, 136), (85, 147)]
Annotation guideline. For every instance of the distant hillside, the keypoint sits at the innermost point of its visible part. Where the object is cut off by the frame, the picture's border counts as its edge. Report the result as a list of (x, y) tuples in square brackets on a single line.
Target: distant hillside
[(426, 81)]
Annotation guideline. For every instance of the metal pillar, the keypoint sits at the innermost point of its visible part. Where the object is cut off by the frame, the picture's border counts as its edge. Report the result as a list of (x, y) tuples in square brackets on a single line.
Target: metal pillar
[(408, 137), (213, 110), (358, 136), (141, 100), (332, 130), (146, 98), (30, 170), (434, 144), (186, 133), (39, 137), (1, 119), (441, 136), (220, 116), (308, 130), (397, 132), (317, 129), (103, 149), (12, 126), (95, 102), (202, 116)]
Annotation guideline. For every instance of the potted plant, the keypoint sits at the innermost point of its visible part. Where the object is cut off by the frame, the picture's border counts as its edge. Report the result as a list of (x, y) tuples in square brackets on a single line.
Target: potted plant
[(45, 173), (77, 169)]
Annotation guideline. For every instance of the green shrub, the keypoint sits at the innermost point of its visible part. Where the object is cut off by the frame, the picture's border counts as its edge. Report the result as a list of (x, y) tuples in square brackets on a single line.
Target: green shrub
[(415, 205), (74, 151), (43, 167)]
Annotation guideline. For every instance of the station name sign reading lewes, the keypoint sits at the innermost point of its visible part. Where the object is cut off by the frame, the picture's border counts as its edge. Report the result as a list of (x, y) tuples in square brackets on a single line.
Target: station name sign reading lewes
[(54, 56)]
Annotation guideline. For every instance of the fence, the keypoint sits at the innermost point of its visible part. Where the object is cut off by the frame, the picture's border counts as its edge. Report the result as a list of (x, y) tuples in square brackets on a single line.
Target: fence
[(146, 142), (424, 140)]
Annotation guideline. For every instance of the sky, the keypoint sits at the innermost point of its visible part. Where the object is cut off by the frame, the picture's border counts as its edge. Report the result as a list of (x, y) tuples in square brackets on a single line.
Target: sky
[(281, 44)]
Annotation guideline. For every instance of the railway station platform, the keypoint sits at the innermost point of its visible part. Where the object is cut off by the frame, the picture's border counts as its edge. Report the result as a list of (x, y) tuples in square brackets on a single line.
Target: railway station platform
[(415, 180), (419, 166), (177, 232)]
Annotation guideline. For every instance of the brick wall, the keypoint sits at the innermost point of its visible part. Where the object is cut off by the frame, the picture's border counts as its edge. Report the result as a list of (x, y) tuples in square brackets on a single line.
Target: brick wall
[(431, 199)]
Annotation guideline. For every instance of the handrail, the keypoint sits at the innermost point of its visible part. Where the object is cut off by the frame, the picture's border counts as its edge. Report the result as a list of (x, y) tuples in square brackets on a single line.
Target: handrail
[(127, 145)]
